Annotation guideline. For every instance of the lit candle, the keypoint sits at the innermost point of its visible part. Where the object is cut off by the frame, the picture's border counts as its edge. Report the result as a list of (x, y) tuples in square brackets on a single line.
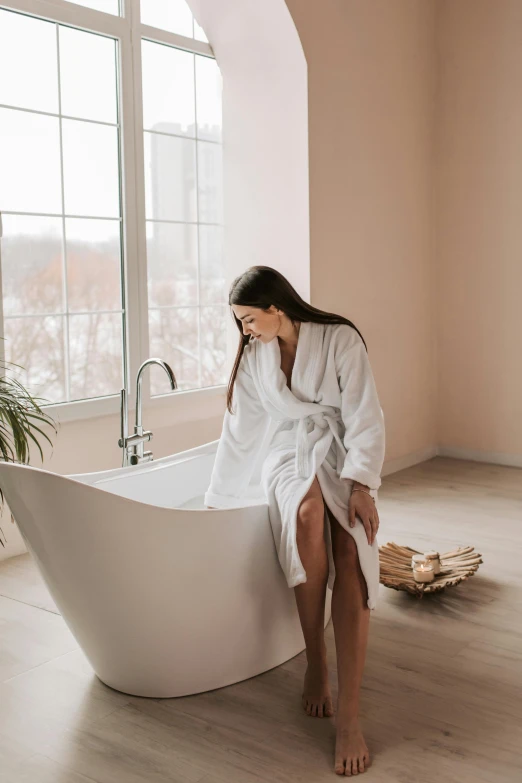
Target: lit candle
[(423, 572), (433, 557), (418, 559)]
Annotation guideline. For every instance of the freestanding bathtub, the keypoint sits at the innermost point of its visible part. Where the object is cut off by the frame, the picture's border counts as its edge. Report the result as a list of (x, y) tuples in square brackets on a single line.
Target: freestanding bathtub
[(165, 597)]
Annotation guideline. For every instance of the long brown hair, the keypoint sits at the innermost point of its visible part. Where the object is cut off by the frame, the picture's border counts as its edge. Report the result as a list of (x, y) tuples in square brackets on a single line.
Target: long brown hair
[(262, 286)]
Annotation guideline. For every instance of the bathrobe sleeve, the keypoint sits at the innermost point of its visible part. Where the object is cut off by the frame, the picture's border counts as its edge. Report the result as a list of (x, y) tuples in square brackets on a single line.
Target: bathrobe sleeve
[(242, 437), (362, 415)]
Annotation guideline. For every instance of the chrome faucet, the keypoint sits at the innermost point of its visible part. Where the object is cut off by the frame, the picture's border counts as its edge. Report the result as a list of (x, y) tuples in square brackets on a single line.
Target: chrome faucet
[(132, 445)]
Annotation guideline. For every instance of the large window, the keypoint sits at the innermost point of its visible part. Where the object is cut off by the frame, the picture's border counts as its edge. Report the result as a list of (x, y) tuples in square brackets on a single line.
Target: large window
[(109, 257)]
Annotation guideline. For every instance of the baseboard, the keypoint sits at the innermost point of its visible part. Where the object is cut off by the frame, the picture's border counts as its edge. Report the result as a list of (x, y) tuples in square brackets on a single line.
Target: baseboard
[(408, 460), (493, 457), (474, 455)]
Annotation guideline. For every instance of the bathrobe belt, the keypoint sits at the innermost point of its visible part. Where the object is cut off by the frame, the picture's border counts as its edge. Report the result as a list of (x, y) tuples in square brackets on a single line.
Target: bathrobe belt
[(323, 420)]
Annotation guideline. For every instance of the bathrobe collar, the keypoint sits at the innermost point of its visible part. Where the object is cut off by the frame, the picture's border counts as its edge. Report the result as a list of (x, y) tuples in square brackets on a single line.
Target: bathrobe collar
[(272, 380), (298, 402)]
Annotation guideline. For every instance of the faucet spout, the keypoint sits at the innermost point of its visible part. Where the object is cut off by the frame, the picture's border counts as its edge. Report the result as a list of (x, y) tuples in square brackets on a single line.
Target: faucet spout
[(132, 445), (172, 379)]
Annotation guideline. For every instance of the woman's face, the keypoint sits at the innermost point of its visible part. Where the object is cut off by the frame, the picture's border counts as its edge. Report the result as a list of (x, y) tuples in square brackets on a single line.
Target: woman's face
[(263, 325)]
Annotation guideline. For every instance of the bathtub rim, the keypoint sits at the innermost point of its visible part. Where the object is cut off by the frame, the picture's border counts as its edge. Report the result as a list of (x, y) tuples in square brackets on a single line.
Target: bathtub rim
[(145, 467), (114, 473)]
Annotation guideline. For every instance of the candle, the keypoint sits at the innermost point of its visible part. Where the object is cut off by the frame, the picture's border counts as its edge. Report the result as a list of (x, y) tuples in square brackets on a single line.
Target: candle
[(423, 572), (433, 557)]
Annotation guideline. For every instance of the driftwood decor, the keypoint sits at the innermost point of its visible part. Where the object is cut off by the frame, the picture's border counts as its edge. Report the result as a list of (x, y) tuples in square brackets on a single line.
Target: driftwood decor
[(396, 570)]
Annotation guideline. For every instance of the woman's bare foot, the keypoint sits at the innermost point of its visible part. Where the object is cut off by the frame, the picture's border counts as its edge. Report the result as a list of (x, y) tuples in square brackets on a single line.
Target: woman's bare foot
[(317, 698), (351, 752)]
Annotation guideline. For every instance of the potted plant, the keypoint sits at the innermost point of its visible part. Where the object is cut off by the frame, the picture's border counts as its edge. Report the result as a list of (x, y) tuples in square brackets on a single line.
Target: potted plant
[(20, 415)]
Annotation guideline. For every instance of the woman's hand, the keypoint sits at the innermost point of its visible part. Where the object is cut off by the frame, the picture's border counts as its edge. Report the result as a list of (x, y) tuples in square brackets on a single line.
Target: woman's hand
[(363, 505)]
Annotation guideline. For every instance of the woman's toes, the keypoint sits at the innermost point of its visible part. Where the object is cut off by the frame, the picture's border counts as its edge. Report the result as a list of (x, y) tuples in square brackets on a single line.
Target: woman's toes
[(318, 709)]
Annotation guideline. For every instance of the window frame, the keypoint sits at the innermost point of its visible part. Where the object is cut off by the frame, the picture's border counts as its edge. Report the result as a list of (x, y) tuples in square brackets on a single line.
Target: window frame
[(128, 31)]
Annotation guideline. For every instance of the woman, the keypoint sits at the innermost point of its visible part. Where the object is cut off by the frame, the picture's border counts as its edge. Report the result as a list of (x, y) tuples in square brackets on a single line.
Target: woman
[(308, 415)]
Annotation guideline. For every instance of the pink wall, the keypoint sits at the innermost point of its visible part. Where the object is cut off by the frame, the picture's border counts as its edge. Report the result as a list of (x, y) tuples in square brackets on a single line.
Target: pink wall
[(478, 253), (416, 210), (371, 75)]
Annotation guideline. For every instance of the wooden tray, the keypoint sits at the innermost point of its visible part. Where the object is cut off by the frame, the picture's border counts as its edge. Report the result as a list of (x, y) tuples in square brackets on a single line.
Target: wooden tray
[(396, 571)]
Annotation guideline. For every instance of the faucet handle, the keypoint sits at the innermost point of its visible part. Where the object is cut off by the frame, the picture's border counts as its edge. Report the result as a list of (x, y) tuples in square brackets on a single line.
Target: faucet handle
[(133, 440)]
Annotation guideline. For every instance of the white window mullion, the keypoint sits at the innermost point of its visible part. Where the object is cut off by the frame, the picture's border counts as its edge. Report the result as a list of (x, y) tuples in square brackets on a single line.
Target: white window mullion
[(66, 356), (128, 220), (200, 373), (138, 279)]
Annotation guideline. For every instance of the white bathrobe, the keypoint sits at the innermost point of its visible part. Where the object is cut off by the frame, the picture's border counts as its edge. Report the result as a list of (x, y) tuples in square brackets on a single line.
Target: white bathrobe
[(329, 423)]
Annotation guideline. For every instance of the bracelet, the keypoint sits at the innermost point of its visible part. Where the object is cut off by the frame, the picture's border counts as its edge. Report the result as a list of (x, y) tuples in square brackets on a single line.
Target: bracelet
[(357, 489)]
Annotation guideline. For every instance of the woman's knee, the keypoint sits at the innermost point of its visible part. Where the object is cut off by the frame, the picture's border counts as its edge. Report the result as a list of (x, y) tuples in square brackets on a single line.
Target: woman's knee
[(310, 518)]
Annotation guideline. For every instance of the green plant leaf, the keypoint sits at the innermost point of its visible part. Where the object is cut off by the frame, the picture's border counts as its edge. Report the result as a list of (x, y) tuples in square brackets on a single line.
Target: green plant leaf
[(19, 414)]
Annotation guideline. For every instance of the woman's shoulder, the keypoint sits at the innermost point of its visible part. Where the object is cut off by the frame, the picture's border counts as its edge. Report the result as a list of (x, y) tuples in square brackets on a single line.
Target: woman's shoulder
[(344, 335)]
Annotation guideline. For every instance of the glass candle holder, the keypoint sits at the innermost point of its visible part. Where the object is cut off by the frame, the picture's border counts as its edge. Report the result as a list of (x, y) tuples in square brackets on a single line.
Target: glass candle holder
[(423, 572)]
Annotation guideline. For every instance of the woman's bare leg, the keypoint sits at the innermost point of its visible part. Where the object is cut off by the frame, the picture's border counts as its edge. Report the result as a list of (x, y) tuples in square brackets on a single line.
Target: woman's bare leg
[(310, 597), (351, 616)]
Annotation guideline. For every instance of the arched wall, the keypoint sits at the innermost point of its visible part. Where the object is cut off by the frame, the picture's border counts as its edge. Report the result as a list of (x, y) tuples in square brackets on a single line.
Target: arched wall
[(265, 145)]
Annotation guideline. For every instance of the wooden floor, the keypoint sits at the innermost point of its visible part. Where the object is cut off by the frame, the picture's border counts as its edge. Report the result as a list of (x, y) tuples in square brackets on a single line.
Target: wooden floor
[(442, 691)]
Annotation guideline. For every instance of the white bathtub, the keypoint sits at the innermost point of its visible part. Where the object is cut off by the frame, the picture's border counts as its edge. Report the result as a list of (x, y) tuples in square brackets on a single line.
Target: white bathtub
[(165, 597)]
